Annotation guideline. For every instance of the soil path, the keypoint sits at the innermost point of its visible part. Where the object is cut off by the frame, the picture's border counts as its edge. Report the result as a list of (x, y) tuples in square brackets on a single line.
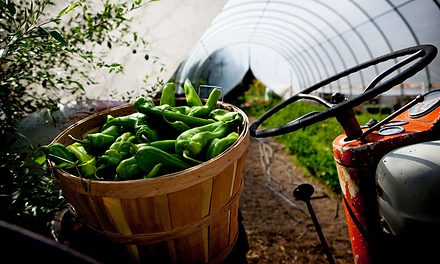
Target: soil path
[(278, 227)]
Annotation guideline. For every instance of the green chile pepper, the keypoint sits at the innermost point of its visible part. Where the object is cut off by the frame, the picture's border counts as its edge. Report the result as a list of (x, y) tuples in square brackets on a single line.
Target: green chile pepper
[(128, 169), (154, 172), (119, 150), (203, 111), (183, 109), (99, 140), (146, 161), (226, 116), (148, 157), (58, 153), (177, 125), (218, 145), (127, 121), (87, 162), (146, 106), (168, 95), (111, 131), (191, 96), (191, 143), (167, 145), (144, 133)]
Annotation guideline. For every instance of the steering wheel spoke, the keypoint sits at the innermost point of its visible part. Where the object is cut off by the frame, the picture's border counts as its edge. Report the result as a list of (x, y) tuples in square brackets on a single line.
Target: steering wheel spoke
[(316, 99)]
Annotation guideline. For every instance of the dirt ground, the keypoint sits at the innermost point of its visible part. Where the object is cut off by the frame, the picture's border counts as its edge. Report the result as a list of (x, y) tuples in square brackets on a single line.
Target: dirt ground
[(278, 227)]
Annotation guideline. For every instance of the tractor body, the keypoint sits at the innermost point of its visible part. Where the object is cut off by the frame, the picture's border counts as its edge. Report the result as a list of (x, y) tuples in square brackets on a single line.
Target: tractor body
[(390, 181)]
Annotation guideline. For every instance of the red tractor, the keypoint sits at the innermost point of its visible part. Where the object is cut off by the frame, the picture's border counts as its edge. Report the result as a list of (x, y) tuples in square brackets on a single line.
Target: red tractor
[(389, 171)]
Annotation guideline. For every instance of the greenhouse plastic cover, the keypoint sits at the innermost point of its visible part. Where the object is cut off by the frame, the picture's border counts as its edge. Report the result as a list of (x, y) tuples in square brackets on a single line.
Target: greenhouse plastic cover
[(288, 45), (291, 45)]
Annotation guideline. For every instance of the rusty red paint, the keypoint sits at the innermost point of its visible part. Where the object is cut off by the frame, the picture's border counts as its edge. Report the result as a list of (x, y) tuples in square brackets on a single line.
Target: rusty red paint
[(357, 162)]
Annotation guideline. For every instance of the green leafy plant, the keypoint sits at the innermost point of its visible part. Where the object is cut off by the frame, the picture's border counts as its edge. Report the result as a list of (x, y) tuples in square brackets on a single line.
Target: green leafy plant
[(48, 52), (256, 90), (43, 58), (28, 196)]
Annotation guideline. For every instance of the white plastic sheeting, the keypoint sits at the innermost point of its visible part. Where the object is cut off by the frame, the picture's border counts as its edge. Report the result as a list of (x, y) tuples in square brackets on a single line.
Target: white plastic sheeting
[(291, 45), (171, 28)]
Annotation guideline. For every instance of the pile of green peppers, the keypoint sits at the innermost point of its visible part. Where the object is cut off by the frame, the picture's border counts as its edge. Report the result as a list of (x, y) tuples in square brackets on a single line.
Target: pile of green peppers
[(153, 141)]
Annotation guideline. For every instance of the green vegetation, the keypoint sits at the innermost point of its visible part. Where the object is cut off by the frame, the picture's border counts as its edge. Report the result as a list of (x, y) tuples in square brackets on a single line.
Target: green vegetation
[(312, 146), (49, 51)]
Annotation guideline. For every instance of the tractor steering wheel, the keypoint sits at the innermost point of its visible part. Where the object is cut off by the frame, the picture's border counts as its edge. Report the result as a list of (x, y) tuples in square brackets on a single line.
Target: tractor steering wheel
[(426, 53)]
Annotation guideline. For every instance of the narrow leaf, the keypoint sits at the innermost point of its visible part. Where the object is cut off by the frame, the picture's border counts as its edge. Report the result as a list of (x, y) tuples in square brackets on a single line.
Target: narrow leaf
[(79, 85), (67, 9), (62, 12), (42, 32), (56, 35)]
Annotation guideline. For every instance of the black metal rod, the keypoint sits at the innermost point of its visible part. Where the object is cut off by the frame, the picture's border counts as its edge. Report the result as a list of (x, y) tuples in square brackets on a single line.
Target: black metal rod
[(304, 193), (319, 232)]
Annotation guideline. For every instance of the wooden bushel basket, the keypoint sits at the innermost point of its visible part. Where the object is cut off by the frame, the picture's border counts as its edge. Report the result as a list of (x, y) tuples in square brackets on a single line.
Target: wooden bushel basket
[(189, 216)]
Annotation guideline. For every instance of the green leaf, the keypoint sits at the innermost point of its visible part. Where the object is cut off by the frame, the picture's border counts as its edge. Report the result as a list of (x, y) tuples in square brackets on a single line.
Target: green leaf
[(11, 8), (56, 35), (55, 20), (146, 57), (67, 9), (40, 160), (15, 195), (79, 85)]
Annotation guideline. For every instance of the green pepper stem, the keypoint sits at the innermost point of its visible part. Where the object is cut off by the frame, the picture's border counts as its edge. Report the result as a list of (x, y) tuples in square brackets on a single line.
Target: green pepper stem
[(186, 156), (75, 139)]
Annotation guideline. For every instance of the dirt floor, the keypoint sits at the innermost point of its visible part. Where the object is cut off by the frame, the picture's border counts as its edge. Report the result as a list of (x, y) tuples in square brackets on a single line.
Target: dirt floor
[(278, 227)]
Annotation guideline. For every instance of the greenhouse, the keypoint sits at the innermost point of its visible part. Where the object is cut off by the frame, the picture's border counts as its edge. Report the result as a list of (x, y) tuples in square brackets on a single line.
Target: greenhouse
[(226, 131), (308, 41)]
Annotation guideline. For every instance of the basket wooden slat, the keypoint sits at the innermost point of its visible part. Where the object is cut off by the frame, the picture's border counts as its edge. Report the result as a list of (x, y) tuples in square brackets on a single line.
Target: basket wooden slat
[(152, 213)]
